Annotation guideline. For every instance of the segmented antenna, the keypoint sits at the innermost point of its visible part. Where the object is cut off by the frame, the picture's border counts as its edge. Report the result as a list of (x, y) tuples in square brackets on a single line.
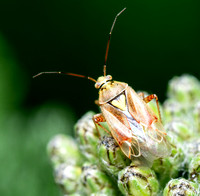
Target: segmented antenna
[(82, 76), (108, 44), (70, 74)]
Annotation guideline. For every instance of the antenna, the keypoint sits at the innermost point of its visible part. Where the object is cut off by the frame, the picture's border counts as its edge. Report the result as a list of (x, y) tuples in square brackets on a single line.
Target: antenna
[(82, 76), (70, 74), (108, 44)]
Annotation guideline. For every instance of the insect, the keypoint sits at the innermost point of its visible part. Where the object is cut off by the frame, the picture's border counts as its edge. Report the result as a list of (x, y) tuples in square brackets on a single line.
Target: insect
[(132, 123)]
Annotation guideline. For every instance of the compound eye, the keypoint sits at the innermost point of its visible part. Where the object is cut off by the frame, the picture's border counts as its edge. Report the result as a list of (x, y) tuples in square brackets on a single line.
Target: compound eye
[(97, 85), (109, 77)]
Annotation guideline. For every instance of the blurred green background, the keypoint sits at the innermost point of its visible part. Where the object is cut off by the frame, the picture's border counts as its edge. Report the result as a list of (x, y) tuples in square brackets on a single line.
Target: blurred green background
[(151, 42)]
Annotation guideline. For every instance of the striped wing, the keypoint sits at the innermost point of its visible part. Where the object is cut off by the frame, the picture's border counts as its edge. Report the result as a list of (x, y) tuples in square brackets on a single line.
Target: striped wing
[(152, 139), (121, 130), (135, 127)]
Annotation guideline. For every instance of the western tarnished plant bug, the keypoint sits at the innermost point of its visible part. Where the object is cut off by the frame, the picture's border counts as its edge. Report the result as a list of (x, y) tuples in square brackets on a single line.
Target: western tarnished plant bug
[(133, 124)]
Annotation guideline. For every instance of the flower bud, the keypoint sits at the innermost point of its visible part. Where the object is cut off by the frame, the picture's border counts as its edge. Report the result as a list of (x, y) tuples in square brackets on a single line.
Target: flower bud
[(67, 177), (138, 180), (87, 137), (112, 159), (194, 169), (96, 182), (181, 187), (63, 149), (169, 167), (184, 89), (181, 128)]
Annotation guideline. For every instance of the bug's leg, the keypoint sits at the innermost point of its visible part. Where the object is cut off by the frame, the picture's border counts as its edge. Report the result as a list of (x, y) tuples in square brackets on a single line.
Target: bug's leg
[(97, 118), (149, 98), (159, 134), (154, 132)]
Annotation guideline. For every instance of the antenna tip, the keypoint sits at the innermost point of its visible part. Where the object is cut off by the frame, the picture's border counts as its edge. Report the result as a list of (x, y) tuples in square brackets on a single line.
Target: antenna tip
[(121, 11), (36, 75)]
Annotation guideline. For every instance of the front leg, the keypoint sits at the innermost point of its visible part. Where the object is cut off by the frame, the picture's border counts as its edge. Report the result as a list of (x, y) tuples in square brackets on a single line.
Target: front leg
[(149, 98), (97, 118)]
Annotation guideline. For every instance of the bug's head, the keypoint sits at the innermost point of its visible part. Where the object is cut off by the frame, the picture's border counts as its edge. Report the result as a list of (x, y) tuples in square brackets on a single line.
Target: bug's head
[(106, 78), (102, 80)]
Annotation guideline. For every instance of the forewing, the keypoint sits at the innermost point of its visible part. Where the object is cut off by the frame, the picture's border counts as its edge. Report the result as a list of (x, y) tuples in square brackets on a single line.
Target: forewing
[(161, 147), (152, 138), (121, 130), (138, 109)]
